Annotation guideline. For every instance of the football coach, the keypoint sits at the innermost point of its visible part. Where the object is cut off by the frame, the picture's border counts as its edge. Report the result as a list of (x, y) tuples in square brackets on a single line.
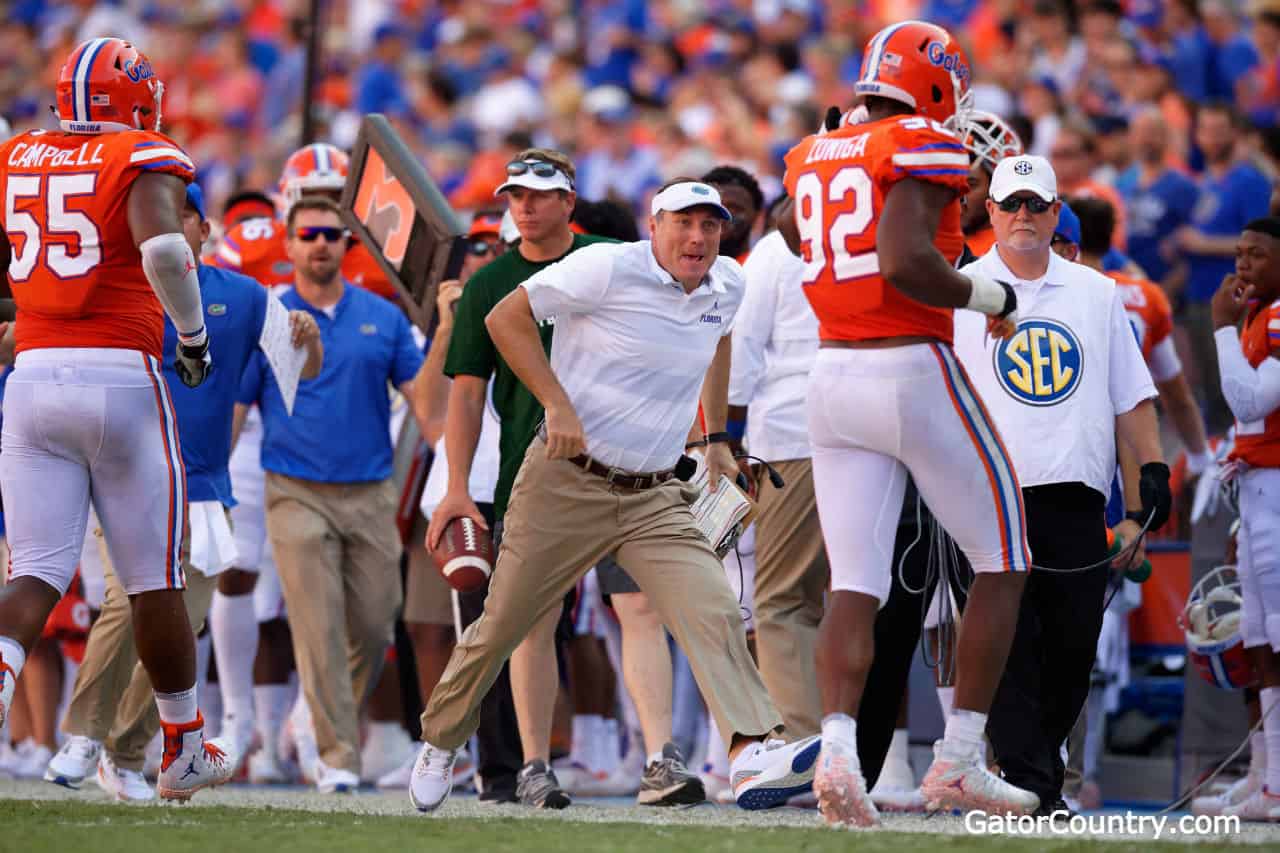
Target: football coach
[(641, 332), (1063, 391)]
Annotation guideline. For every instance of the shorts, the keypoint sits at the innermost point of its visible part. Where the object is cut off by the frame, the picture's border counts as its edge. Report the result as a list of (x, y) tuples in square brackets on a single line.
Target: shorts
[(249, 520), (877, 414), (428, 598), (1259, 557), (92, 422)]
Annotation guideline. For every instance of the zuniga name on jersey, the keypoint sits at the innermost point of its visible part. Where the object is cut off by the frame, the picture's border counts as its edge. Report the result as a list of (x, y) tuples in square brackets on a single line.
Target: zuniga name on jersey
[(26, 156), (838, 149)]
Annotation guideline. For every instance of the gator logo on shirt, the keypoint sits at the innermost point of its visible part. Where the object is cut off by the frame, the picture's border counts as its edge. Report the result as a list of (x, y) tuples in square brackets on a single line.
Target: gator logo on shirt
[(368, 329), (1041, 364), (217, 309)]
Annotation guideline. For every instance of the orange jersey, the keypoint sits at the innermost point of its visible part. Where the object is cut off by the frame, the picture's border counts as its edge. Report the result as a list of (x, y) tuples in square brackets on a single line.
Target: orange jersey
[(1258, 443), (75, 271), (980, 242), (839, 182), (255, 247), (1149, 311)]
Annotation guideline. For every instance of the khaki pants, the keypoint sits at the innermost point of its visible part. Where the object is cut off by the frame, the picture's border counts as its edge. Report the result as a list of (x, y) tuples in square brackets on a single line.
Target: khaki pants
[(113, 701), (561, 521), (792, 575), (337, 551)]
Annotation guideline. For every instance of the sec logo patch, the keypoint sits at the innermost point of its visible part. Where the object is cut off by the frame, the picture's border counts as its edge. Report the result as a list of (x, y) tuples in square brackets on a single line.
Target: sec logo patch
[(1041, 364)]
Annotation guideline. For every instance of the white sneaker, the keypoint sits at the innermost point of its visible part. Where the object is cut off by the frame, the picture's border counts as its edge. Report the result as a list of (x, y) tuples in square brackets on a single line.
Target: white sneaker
[(464, 771), (265, 769), (9, 758), (1239, 791), (298, 729), (191, 762), (335, 780), (841, 788), (966, 784), (154, 757), (126, 786), (432, 777), (34, 763), (239, 734), (1258, 806), (895, 789), (386, 748), (74, 762), (768, 774)]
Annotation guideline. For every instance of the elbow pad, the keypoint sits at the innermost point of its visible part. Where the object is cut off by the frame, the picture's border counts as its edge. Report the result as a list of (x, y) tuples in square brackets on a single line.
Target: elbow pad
[(172, 273), (1252, 393)]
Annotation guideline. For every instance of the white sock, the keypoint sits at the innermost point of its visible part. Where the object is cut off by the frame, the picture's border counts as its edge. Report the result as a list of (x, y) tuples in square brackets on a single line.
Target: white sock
[(235, 641), (178, 708), (1258, 751), (12, 655), (964, 734), (580, 742), (1270, 697), (210, 694), (271, 702), (717, 754), (840, 727), (610, 745), (947, 699), (899, 747)]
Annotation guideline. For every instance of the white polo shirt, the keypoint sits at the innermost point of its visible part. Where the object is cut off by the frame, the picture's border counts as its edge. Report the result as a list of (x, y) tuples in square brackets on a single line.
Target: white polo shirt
[(1054, 390), (631, 348), (775, 340)]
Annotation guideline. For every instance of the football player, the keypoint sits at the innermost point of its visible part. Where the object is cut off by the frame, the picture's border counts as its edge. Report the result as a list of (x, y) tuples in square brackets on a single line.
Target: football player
[(887, 397), (95, 257), (255, 246)]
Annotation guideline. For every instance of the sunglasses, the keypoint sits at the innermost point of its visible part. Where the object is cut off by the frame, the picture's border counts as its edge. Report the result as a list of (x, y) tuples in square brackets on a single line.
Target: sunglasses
[(1034, 204), (311, 233), (480, 248), (541, 168)]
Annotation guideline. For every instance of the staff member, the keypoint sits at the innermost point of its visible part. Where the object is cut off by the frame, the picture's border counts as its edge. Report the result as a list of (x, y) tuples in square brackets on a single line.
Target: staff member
[(775, 340), (640, 329), (330, 501), (1060, 389), (112, 701)]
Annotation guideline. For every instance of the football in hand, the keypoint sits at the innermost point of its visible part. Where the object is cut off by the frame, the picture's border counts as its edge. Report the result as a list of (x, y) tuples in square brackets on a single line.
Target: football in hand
[(464, 554)]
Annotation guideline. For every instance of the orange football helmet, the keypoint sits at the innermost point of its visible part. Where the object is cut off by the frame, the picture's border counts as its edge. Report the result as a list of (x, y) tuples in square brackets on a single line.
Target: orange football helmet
[(107, 85), (318, 167), (921, 65)]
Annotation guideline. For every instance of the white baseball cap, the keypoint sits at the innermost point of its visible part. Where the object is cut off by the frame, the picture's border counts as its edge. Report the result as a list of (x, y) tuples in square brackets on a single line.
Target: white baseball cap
[(527, 175), (689, 194), (1026, 172)]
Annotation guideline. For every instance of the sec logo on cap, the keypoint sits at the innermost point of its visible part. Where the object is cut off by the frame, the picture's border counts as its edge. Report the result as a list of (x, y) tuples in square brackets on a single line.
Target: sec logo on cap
[(1041, 364)]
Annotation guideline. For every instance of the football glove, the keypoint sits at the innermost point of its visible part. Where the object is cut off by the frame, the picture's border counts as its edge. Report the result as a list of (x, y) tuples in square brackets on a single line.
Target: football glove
[(193, 362)]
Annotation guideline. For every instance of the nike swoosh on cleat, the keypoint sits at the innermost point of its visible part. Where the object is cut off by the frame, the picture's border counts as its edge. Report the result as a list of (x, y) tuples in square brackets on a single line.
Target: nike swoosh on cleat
[(805, 758)]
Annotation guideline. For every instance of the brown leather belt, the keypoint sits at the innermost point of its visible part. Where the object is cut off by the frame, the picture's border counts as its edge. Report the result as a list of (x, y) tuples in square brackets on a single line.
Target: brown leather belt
[(619, 477)]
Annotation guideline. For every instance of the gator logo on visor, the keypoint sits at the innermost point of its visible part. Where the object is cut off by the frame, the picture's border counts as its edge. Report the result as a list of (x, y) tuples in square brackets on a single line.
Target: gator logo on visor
[(1041, 364)]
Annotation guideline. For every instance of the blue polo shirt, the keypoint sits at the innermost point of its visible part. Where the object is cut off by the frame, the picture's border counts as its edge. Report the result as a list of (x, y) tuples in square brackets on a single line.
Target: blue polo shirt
[(234, 308), (1223, 209), (1154, 213), (340, 431)]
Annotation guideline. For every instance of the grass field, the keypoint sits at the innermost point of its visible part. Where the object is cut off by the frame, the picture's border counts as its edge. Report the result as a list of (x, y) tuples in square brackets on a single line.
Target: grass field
[(39, 818)]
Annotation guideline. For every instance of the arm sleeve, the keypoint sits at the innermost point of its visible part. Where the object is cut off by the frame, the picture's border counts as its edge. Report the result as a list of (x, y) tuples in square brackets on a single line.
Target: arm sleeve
[(1165, 363), (575, 285), (172, 273), (1251, 393), (1129, 381), (753, 325), (407, 358)]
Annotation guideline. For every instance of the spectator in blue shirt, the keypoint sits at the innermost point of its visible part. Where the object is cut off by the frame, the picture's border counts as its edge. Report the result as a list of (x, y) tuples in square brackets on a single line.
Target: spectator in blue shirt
[(1232, 193), (330, 501), (1233, 53), (1157, 198), (235, 307), (379, 88)]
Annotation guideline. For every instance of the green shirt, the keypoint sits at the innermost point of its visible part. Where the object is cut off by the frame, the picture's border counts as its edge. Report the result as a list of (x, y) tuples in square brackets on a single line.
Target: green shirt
[(472, 353)]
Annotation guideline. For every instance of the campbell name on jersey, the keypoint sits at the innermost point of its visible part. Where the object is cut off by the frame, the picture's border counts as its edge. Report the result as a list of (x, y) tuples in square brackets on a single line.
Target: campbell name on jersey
[(840, 182)]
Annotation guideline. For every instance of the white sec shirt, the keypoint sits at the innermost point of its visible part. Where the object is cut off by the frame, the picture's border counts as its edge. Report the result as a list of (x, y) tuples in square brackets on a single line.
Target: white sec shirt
[(631, 348), (1054, 389), (775, 340)]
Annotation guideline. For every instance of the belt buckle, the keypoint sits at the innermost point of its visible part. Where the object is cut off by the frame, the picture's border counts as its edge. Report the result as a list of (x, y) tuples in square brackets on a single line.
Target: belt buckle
[(612, 474)]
